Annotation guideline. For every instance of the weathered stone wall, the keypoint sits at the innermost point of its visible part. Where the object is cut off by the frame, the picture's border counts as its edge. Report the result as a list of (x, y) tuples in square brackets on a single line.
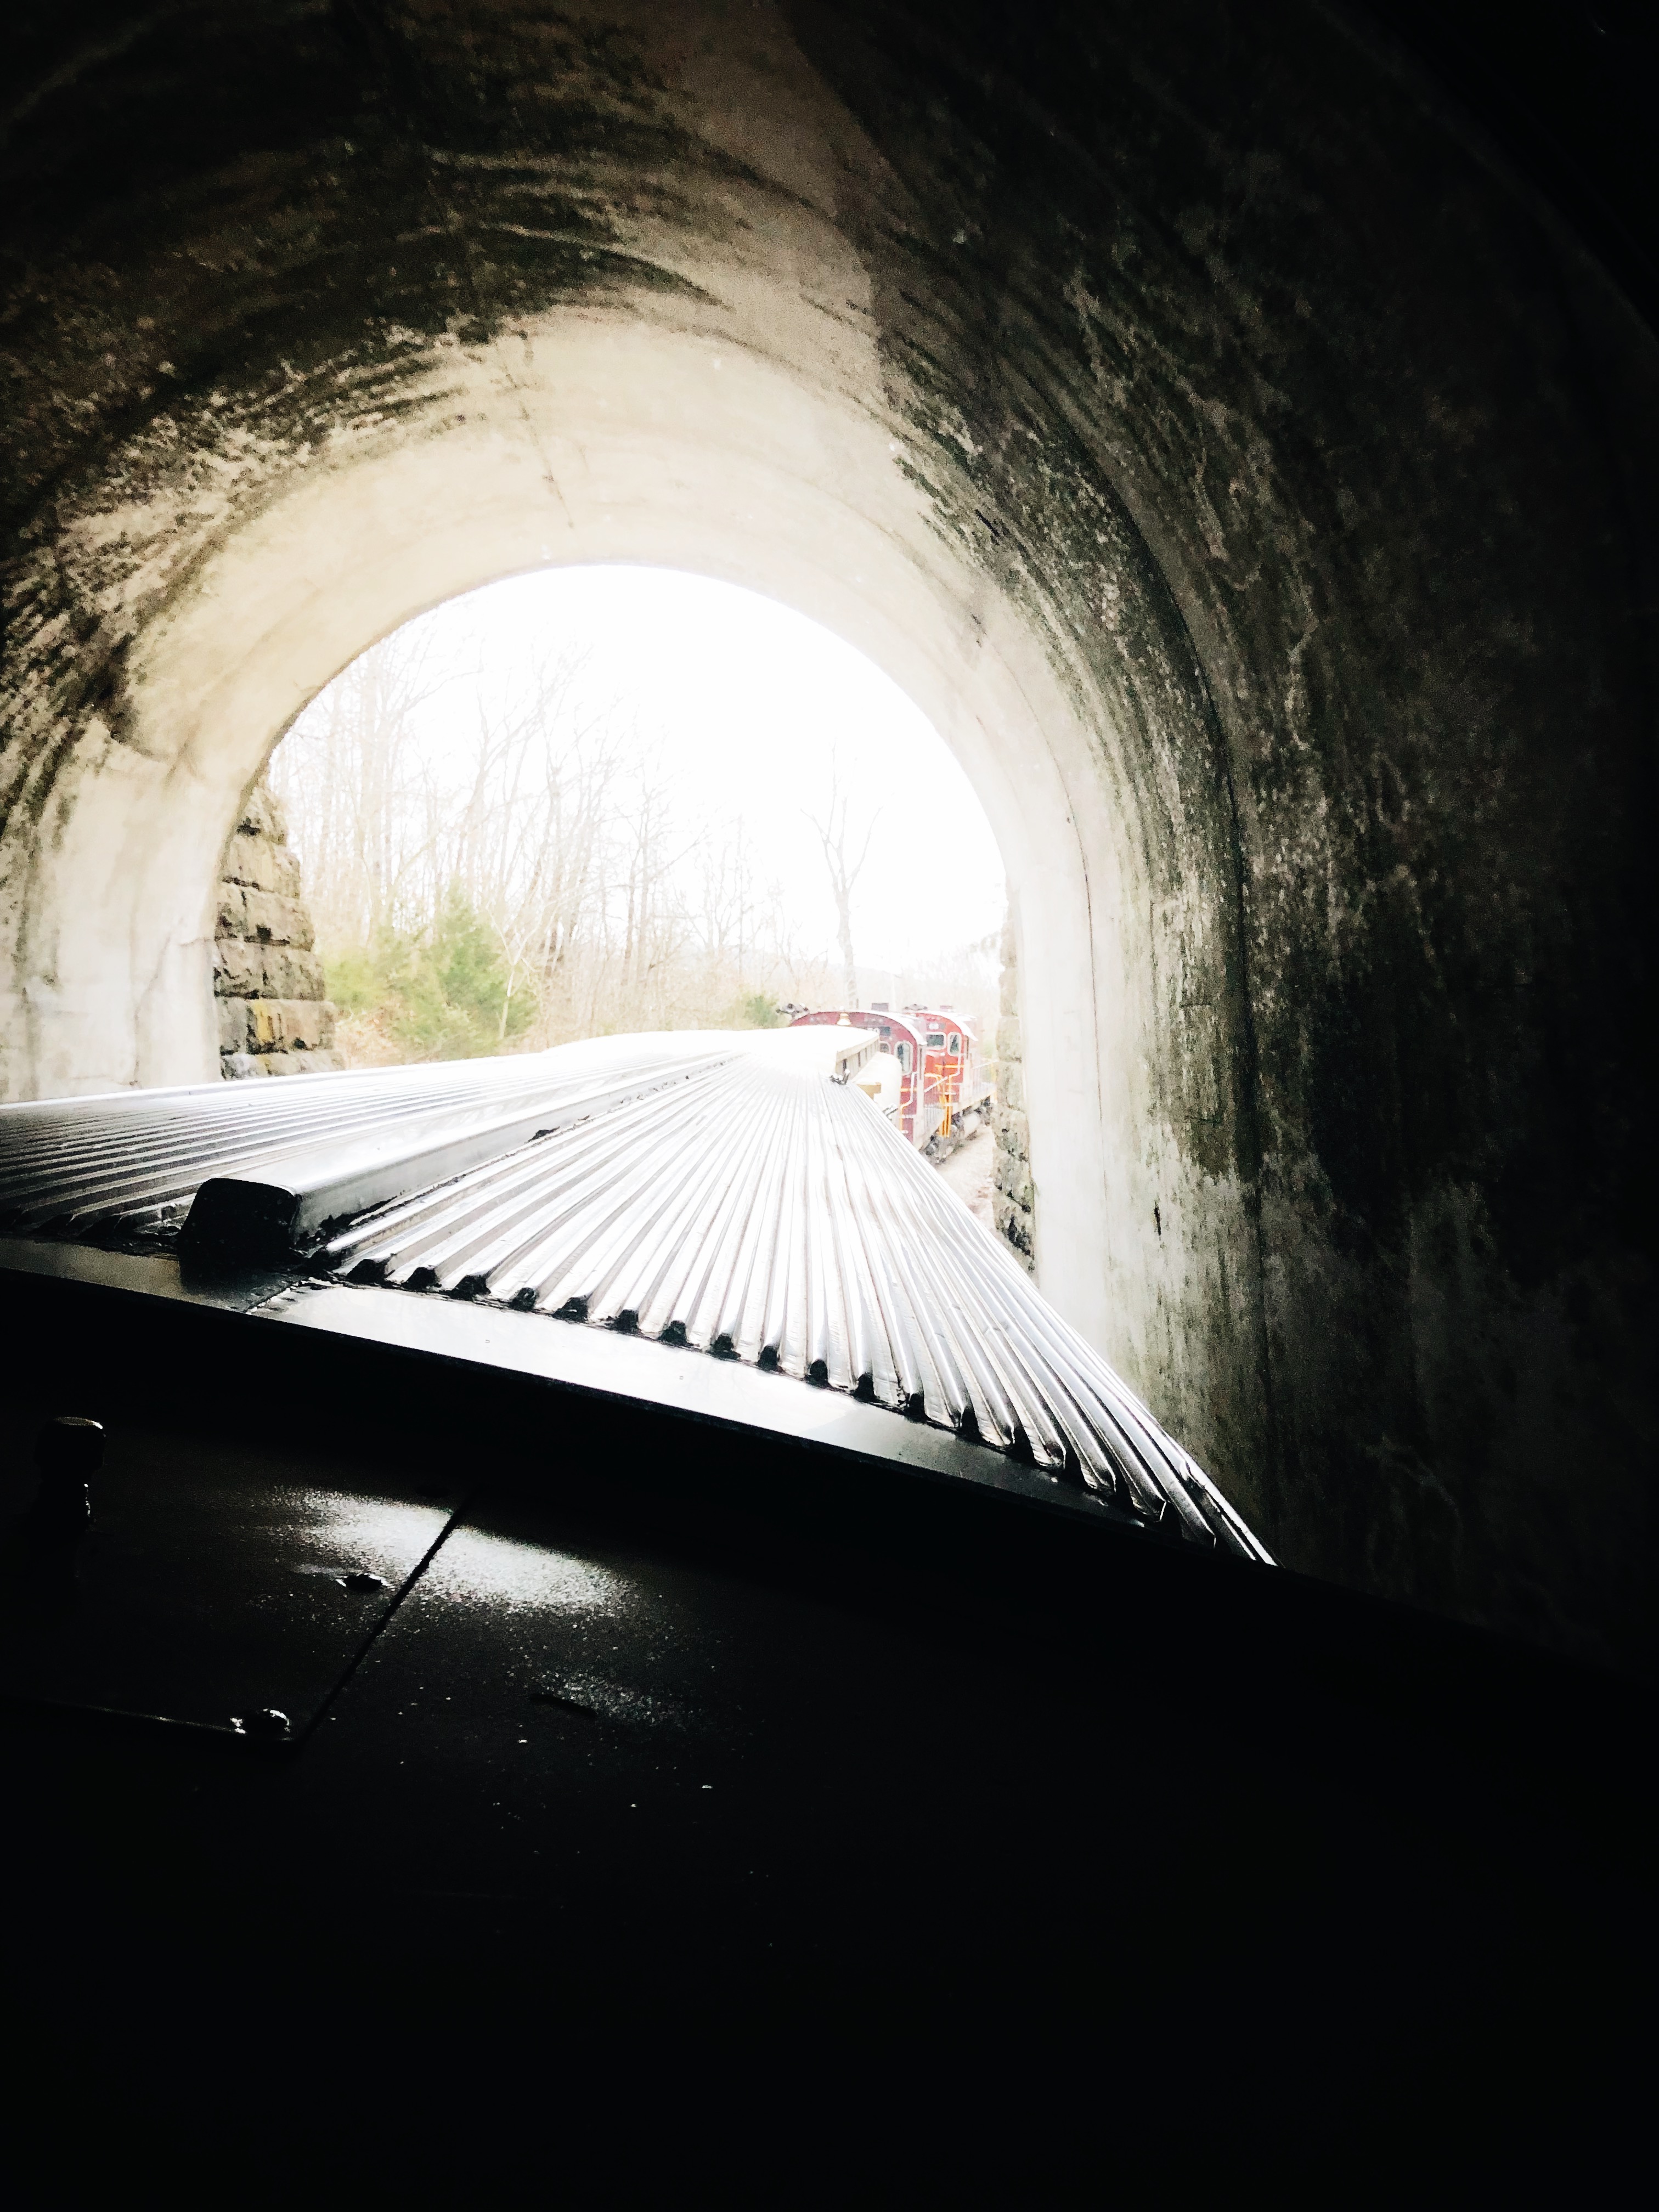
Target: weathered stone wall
[(1014, 1199), (268, 988)]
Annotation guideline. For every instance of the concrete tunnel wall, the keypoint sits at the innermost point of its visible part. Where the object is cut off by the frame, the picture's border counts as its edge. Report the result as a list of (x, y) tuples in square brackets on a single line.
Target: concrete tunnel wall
[(1246, 472)]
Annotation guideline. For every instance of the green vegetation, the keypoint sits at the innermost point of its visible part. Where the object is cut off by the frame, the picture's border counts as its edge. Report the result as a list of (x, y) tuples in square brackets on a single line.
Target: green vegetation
[(755, 1011), (357, 979), (447, 992)]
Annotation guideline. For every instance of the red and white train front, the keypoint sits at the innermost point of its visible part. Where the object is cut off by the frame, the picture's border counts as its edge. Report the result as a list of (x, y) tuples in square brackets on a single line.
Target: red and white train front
[(931, 1087)]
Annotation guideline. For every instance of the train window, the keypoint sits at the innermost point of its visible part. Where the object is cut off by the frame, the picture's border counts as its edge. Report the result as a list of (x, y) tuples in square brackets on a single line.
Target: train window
[(936, 1039), (956, 1042), (905, 1055)]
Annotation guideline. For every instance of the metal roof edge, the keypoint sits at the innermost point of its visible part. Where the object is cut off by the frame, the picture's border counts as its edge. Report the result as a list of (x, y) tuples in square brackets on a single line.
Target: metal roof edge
[(161, 1275), (596, 1363), (606, 1363)]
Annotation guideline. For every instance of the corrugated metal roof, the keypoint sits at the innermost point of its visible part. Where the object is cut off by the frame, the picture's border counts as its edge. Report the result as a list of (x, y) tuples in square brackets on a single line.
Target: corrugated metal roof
[(763, 1211), (730, 1193), (135, 1159)]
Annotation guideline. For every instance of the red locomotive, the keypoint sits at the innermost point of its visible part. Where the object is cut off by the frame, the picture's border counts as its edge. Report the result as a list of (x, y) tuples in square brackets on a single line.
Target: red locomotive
[(933, 1093)]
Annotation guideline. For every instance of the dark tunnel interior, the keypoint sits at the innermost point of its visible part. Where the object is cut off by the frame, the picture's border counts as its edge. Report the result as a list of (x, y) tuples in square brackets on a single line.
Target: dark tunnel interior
[(1238, 426)]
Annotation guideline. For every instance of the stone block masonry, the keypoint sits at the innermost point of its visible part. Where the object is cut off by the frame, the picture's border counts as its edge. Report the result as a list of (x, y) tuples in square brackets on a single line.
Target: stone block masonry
[(1014, 1199), (274, 1015)]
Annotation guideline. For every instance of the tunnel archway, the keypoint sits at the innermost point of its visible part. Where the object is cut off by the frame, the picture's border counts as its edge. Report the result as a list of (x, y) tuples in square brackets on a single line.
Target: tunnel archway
[(1237, 464)]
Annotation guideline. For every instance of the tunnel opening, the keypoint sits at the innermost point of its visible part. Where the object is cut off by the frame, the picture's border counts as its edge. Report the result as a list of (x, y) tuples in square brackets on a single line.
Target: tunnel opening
[(669, 803), (595, 800)]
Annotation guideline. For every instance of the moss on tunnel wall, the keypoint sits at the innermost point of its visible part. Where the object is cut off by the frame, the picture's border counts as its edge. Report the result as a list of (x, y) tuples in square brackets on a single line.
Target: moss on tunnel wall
[(1309, 448)]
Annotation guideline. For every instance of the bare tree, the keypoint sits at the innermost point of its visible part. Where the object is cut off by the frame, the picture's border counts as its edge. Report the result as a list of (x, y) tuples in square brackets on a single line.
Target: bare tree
[(554, 825), (837, 836), (350, 773)]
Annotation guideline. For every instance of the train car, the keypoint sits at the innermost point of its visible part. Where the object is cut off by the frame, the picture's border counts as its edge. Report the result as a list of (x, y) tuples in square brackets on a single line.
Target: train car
[(939, 1094), (952, 1070), (909, 1103)]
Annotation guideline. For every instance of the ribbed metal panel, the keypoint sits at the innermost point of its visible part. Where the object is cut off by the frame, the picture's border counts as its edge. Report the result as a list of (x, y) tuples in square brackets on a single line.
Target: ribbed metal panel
[(135, 1159), (762, 1212)]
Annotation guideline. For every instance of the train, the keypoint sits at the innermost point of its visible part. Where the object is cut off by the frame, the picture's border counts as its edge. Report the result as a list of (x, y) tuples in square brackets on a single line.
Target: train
[(927, 1077)]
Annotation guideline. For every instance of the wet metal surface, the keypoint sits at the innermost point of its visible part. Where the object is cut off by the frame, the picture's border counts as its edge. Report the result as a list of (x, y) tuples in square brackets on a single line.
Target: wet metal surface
[(627, 1793), (657, 1740), (222, 1586)]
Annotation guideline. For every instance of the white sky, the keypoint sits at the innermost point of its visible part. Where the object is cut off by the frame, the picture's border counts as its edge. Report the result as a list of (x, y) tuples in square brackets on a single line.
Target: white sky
[(750, 697)]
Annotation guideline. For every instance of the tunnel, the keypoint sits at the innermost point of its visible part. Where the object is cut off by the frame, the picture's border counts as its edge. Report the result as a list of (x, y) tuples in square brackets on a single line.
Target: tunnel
[(1240, 460), (1236, 427)]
